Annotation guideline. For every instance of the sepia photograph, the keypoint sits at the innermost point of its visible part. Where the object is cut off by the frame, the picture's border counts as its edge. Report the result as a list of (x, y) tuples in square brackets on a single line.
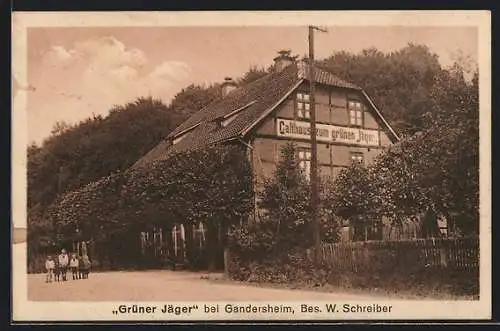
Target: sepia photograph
[(281, 165)]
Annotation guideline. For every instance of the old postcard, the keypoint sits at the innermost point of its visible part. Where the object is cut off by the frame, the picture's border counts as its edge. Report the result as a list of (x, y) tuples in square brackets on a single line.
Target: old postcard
[(209, 166)]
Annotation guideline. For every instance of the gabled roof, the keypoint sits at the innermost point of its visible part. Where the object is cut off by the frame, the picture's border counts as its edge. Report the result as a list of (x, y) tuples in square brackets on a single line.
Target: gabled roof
[(252, 102)]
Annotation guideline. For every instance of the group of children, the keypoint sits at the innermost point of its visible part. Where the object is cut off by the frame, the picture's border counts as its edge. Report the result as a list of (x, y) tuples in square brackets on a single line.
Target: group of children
[(58, 268)]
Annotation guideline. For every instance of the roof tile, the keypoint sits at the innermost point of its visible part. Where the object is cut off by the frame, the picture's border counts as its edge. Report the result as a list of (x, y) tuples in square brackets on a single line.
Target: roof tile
[(264, 93)]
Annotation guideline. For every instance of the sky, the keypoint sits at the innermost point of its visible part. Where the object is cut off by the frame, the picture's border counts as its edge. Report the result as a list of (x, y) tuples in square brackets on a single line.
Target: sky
[(74, 73)]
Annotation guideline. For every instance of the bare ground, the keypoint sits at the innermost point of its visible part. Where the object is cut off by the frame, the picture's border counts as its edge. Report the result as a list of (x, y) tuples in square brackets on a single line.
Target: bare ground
[(375, 293), (163, 285)]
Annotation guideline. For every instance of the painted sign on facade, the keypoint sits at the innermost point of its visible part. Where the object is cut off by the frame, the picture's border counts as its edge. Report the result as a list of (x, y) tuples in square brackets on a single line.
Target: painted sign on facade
[(327, 133)]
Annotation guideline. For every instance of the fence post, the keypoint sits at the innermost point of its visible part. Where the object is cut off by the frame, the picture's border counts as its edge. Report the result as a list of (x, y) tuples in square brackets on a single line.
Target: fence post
[(432, 252), (366, 256), (226, 260), (442, 253)]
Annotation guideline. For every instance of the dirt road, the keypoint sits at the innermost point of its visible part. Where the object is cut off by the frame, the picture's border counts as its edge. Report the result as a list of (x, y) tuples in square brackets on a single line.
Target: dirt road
[(163, 285), (158, 285)]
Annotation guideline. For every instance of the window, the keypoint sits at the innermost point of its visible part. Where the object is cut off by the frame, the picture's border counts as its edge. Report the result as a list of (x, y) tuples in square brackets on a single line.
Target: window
[(303, 105), (355, 113), (305, 161), (357, 157)]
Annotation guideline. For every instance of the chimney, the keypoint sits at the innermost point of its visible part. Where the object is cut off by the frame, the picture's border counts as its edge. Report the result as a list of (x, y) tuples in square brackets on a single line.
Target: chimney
[(283, 60), (228, 85)]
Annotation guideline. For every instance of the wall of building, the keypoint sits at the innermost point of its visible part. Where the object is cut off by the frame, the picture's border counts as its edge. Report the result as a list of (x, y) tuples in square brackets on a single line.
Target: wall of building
[(331, 108)]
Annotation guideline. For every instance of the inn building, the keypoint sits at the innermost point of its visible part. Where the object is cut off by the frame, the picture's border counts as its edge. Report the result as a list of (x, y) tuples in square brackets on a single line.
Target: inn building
[(268, 113), (274, 110)]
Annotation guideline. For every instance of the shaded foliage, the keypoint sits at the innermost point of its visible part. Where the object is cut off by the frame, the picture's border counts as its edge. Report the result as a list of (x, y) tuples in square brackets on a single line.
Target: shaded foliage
[(96, 147), (93, 209), (285, 223), (434, 169), (253, 74), (214, 185), (435, 108), (401, 278), (194, 97), (76, 155), (399, 82)]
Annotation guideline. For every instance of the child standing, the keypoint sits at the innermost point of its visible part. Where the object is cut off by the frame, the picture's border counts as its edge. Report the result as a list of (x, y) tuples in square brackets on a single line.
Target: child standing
[(49, 265), (80, 267), (85, 266), (73, 264), (63, 263), (57, 270)]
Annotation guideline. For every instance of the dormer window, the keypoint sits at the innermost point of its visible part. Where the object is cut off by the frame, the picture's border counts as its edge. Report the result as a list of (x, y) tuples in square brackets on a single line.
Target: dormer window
[(178, 139), (303, 105), (228, 120), (182, 134)]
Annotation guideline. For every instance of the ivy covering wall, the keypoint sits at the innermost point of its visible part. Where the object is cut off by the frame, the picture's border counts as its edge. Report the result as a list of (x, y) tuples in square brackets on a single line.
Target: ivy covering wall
[(213, 185)]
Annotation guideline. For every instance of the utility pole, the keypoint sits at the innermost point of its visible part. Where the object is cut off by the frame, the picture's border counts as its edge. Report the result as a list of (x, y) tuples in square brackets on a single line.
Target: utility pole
[(314, 149)]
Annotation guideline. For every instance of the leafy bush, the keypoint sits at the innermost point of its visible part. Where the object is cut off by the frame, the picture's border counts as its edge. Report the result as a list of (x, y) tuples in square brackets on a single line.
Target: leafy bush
[(436, 168), (214, 184), (298, 270), (291, 267), (285, 224)]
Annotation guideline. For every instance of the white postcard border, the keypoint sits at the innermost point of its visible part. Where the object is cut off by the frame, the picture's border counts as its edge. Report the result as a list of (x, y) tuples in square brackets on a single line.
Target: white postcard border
[(68, 311)]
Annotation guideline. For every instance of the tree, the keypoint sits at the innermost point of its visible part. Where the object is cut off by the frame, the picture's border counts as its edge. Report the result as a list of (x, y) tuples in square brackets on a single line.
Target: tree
[(455, 135), (399, 82), (436, 168), (286, 201), (350, 198), (193, 98), (285, 223), (167, 191), (252, 75), (89, 151), (74, 156), (59, 128), (93, 209)]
